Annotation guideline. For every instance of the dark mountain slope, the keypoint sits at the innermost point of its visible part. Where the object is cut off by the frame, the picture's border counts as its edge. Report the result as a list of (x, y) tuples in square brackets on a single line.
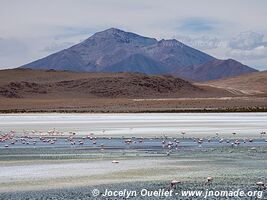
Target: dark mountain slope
[(213, 70), (137, 63), (114, 50)]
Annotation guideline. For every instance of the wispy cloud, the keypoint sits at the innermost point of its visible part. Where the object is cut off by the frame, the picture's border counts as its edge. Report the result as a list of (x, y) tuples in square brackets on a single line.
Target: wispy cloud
[(54, 47), (66, 32)]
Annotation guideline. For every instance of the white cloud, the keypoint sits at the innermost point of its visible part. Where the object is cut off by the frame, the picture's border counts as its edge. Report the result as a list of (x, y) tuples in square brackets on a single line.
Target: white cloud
[(248, 46), (248, 54), (248, 40)]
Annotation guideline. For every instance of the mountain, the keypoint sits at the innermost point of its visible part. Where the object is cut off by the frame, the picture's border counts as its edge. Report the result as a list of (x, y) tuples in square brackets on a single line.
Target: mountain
[(213, 70), (248, 84), (114, 50)]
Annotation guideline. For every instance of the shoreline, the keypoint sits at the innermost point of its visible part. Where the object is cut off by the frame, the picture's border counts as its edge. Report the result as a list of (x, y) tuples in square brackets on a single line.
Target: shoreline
[(197, 110)]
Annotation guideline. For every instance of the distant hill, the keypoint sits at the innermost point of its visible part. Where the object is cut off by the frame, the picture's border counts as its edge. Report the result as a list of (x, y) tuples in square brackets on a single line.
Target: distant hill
[(62, 84), (114, 50), (215, 69), (249, 84)]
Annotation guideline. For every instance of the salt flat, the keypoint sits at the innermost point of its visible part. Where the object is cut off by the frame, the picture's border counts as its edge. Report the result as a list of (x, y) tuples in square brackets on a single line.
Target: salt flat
[(194, 124)]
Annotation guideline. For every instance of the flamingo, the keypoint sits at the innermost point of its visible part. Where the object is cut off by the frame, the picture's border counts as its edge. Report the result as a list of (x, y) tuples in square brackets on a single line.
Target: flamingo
[(200, 141), (237, 142), (174, 183), (260, 185), (209, 180), (183, 133), (128, 141), (263, 133)]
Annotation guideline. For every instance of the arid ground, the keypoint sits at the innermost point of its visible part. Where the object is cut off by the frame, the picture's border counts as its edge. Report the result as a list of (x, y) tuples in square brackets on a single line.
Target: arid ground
[(24, 90)]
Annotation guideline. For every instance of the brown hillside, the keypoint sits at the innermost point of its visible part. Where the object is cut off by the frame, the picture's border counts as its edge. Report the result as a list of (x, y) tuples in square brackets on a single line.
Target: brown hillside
[(249, 84), (26, 83)]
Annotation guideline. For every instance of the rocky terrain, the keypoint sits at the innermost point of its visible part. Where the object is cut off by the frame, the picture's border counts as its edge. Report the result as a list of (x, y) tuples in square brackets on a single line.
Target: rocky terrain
[(49, 84)]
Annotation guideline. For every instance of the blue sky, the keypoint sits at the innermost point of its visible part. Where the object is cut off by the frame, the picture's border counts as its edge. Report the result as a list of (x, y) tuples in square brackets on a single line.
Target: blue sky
[(33, 29)]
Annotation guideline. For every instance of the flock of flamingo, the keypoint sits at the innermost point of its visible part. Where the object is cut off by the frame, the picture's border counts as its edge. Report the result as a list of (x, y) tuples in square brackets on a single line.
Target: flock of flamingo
[(51, 137)]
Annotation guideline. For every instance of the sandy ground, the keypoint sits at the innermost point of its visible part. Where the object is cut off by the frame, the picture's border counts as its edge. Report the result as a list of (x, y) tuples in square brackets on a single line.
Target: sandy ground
[(132, 105), (249, 84), (38, 175)]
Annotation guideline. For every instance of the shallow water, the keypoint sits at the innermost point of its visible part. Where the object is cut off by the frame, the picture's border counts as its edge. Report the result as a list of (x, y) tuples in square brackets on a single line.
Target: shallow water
[(141, 144), (194, 124)]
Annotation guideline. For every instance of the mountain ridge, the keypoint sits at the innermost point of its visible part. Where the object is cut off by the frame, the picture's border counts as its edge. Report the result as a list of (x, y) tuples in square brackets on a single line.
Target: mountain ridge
[(115, 50)]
